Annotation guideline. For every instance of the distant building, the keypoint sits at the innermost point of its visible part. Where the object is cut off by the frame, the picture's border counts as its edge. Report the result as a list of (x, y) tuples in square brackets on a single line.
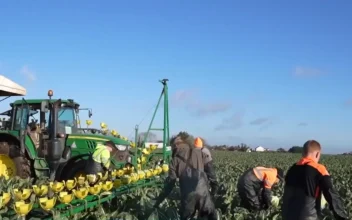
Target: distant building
[(248, 150), (259, 149)]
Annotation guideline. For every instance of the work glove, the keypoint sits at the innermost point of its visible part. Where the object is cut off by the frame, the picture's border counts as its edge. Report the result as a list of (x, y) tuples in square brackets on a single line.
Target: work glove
[(156, 203), (275, 201)]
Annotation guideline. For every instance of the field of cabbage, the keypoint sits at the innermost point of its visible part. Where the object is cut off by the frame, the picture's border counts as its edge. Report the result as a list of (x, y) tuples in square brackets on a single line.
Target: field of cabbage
[(229, 166)]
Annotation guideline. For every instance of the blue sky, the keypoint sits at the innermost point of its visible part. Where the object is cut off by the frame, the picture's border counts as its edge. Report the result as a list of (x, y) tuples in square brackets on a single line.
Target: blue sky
[(270, 73)]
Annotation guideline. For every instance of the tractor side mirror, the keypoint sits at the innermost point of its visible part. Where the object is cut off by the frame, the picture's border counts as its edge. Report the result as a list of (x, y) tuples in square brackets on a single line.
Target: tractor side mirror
[(44, 106), (90, 113)]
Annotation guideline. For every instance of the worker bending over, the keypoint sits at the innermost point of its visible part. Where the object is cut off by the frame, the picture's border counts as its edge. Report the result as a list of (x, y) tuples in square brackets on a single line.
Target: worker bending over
[(254, 187), (305, 182), (188, 164), (99, 161), (208, 165)]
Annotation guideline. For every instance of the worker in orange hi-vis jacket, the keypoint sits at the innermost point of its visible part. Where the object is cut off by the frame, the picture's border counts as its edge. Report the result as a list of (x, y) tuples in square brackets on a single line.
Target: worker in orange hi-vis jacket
[(305, 183), (254, 187), (209, 168)]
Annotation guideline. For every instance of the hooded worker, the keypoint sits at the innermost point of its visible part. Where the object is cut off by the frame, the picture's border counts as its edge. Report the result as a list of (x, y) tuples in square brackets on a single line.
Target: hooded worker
[(187, 165), (305, 183), (208, 165), (254, 187), (100, 159)]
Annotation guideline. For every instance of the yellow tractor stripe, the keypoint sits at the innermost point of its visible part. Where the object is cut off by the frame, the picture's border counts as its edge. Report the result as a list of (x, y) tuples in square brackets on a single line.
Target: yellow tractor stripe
[(87, 138)]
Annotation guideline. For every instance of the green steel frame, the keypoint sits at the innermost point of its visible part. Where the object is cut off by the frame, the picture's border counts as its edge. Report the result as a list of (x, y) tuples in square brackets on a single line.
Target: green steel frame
[(166, 131)]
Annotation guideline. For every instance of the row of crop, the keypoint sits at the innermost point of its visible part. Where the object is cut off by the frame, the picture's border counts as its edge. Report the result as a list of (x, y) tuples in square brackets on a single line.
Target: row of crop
[(46, 195)]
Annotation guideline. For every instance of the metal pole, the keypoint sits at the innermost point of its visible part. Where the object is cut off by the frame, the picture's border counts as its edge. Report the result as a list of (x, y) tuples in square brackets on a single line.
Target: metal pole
[(135, 158), (166, 119), (136, 134)]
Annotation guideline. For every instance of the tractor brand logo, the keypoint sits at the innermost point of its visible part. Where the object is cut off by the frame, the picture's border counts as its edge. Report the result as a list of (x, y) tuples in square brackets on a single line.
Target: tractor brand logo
[(73, 145)]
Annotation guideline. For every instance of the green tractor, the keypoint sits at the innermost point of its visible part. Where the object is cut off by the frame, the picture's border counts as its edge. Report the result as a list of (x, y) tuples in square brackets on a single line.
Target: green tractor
[(59, 150)]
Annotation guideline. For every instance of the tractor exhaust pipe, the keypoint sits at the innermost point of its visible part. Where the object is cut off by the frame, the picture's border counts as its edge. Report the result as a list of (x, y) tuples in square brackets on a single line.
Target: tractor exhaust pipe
[(54, 151), (54, 119)]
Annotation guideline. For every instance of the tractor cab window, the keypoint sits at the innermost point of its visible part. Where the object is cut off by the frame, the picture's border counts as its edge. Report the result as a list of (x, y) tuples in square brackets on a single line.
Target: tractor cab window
[(46, 120), (67, 122), (21, 118), (33, 118)]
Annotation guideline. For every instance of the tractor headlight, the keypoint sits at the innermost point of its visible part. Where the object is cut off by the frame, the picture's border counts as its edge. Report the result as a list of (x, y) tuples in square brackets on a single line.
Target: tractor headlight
[(129, 159), (121, 147)]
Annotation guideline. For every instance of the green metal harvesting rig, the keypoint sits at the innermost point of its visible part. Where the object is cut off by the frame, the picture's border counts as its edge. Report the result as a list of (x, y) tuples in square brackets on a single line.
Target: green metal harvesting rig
[(60, 150)]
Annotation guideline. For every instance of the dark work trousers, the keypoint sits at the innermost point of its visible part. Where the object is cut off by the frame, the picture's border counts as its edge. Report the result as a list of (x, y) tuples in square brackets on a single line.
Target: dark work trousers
[(202, 203)]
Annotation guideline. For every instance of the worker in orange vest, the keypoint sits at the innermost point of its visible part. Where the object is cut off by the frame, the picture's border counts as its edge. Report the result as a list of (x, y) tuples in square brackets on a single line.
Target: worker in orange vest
[(209, 166), (254, 187)]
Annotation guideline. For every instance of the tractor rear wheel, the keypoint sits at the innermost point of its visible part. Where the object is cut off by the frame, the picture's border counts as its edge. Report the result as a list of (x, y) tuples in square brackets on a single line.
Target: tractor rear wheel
[(13, 162), (74, 170)]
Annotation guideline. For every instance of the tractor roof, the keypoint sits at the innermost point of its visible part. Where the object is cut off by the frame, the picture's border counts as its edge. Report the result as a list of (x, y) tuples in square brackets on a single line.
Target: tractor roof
[(10, 88), (39, 101)]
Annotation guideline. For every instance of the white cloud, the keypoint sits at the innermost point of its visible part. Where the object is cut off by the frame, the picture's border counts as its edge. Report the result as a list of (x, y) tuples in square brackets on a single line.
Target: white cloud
[(306, 71), (28, 73), (303, 124), (232, 123), (192, 103)]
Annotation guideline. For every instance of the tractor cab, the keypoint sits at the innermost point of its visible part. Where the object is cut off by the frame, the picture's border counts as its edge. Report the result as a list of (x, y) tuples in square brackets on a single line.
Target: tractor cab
[(49, 119), (47, 122)]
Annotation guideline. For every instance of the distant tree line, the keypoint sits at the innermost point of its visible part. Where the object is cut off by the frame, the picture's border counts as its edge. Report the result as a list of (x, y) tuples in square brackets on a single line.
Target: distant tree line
[(152, 137), (244, 148), (241, 147)]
